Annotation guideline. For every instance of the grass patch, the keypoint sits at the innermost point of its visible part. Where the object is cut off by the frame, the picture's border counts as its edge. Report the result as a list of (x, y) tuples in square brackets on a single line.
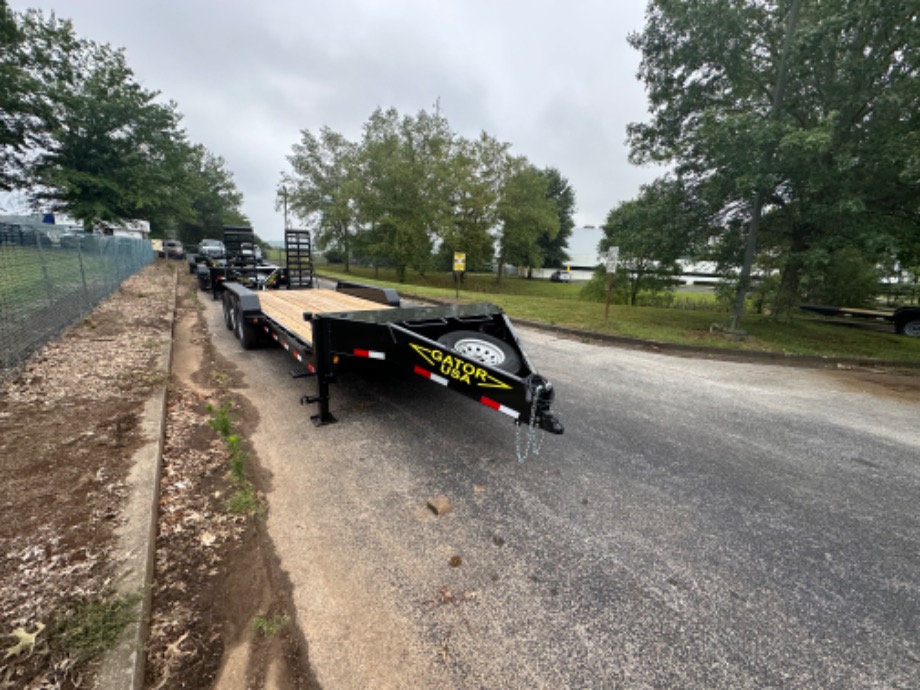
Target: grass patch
[(269, 626), (94, 627), (220, 419), (695, 319), (244, 500)]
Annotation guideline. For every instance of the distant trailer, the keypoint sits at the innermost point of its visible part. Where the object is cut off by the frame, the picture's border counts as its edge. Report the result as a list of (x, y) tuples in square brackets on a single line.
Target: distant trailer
[(906, 320)]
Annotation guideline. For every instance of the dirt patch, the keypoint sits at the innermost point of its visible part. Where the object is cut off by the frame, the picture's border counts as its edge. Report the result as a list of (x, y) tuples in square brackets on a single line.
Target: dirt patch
[(888, 383), (68, 431), (69, 426), (222, 613)]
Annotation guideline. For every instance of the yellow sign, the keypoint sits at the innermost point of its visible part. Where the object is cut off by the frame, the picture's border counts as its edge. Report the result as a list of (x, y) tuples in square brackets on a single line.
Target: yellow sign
[(459, 262), (458, 369)]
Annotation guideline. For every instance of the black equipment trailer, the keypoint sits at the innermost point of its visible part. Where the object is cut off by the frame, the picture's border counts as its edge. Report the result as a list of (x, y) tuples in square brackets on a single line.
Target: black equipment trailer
[(471, 349), (906, 320)]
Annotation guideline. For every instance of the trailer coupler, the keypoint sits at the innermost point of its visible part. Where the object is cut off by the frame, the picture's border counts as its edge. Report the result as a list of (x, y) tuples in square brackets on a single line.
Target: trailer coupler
[(541, 394)]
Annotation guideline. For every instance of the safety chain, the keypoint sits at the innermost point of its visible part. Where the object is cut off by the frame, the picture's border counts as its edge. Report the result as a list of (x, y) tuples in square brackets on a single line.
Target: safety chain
[(534, 443)]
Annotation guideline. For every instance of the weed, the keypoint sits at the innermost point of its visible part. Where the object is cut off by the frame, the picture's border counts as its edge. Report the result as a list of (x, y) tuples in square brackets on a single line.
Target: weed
[(270, 626), (220, 419), (238, 457), (244, 501), (93, 627), (220, 379)]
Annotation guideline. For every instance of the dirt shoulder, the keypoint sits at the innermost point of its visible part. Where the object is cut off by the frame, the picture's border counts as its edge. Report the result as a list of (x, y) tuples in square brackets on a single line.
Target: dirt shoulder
[(69, 427), (68, 430)]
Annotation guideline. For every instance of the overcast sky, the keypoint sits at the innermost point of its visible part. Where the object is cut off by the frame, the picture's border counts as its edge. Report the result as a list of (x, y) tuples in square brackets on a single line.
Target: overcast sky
[(554, 79)]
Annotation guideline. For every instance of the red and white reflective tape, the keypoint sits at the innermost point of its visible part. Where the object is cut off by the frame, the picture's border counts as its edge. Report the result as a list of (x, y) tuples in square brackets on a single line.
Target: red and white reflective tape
[(285, 345), (297, 356), (370, 354), (488, 402), (428, 375)]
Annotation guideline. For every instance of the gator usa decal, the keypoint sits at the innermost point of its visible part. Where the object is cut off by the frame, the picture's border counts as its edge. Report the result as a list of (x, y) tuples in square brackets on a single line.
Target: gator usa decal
[(458, 369)]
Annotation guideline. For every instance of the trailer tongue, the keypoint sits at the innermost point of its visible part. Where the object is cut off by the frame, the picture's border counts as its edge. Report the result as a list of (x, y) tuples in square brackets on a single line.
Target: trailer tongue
[(470, 349)]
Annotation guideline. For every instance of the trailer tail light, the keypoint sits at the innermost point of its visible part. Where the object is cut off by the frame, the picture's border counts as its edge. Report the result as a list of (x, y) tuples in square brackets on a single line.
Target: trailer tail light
[(488, 402), (370, 354)]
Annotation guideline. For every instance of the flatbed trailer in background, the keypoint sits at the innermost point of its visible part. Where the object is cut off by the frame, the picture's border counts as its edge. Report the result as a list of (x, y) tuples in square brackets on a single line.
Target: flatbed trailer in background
[(471, 349), (906, 320)]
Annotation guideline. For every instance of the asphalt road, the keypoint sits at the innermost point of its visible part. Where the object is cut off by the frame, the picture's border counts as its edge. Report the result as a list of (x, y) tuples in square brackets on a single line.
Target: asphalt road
[(701, 524)]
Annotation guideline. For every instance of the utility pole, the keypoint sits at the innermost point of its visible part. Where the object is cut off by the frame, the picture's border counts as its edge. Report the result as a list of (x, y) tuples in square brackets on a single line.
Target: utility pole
[(750, 248), (284, 195)]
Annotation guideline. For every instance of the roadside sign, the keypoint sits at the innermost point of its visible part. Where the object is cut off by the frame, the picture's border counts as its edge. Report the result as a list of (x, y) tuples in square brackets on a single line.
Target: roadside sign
[(610, 259), (459, 262)]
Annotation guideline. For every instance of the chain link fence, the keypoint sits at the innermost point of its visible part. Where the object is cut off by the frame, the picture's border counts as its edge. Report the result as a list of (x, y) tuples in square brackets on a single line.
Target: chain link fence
[(49, 280)]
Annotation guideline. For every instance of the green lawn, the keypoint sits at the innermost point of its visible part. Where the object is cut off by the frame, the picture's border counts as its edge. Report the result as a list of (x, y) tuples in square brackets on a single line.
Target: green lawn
[(698, 323)]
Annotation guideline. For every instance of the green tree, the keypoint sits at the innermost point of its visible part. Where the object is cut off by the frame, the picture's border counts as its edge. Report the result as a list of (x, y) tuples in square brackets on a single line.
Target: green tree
[(110, 143), (560, 191), (479, 168), (403, 194), (652, 232), (526, 213), (14, 110), (320, 188), (213, 197), (827, 146)]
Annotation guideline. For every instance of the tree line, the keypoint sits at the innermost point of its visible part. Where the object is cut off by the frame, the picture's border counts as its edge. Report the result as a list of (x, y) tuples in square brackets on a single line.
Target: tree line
[(412, 192), (792, 131), (80, 135)]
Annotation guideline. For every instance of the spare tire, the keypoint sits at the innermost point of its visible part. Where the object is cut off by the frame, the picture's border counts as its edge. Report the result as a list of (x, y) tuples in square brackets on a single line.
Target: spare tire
[(483, 348)]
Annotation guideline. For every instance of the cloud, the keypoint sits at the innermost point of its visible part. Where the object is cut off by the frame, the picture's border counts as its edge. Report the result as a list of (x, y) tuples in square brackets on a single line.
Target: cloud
[(554, 80)]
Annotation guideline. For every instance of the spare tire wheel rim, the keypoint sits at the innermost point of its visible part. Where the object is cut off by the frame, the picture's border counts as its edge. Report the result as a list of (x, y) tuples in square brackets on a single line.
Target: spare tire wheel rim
[(480, 350)]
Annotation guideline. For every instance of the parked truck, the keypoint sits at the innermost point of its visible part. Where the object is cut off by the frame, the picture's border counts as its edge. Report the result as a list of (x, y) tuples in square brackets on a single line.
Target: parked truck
[(241, 261), (470, 349)]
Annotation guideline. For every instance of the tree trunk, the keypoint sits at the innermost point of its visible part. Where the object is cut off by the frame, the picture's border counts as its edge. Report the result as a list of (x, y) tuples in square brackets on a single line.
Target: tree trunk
[(787, 296)]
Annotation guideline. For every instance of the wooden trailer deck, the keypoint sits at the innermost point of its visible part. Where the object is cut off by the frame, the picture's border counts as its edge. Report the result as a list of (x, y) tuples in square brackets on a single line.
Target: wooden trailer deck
[(286, 307)]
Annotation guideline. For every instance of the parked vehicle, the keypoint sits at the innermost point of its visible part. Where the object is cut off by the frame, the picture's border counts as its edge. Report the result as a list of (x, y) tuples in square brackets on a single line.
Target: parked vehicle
[(561, 277), (173, 249), (208, 252), (470, 349), (243, 263)]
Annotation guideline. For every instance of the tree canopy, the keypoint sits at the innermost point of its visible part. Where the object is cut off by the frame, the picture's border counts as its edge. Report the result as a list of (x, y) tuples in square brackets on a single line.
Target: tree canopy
[(80, 135), (831, 147), (411, 185)]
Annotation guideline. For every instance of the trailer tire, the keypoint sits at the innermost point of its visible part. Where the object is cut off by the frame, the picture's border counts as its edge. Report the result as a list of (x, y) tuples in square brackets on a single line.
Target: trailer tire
[(228, 313), (483, 348), (910, 327), (246, 334)]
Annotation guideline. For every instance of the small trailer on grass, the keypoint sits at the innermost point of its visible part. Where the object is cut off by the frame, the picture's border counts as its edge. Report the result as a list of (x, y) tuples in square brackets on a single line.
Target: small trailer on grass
[(906, 320), (470, 349)]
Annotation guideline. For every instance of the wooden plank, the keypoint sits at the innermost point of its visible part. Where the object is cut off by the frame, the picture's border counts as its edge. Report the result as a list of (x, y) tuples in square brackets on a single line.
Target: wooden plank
[(287, 307)]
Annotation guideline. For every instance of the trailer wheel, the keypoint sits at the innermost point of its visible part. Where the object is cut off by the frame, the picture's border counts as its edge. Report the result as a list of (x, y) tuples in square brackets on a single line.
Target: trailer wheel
[(228, 313), (910, 328), (247, 336), (483, 348)]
